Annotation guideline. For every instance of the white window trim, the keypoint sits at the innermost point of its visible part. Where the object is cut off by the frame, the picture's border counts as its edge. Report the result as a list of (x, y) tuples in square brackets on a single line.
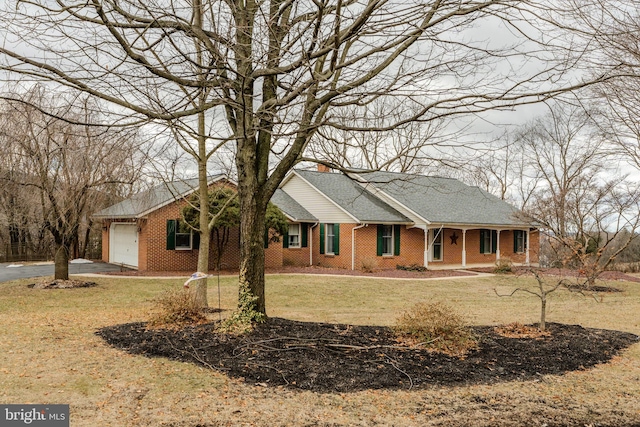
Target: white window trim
[(184, 248), (299, 234), (437, 235), (391, 241), (488, 247), (327, 240), (523, 237)]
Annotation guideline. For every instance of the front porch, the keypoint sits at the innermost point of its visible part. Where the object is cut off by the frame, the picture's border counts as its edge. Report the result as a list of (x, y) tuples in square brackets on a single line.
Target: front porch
[(440, 266), (455, 247)]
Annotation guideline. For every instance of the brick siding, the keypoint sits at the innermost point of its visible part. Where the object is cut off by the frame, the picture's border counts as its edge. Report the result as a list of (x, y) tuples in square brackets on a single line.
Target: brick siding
[(153, 255)]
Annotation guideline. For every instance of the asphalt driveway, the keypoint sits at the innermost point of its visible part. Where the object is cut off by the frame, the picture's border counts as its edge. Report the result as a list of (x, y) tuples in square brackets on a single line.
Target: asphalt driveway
[(37, 270)]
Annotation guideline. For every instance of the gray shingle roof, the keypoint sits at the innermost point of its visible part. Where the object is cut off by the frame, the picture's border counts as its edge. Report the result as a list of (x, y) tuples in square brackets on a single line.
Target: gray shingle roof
[(444, 200), (144, 202), (353, 198), (290, 207)]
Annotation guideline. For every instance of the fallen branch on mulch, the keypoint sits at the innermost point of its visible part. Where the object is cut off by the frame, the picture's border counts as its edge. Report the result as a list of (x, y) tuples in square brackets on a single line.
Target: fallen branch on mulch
[(62, 284), (341, 358)]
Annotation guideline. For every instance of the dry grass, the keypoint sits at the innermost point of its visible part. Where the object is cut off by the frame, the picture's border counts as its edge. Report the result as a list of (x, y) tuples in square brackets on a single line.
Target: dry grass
[(51, 355)]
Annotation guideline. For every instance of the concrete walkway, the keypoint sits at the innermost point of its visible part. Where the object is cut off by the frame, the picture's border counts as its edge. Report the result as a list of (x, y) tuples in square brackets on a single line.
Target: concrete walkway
[(473, 275)]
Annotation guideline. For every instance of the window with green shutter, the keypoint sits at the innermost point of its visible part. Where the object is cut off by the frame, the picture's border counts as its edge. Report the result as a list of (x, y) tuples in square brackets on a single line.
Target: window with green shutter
[(330, 239), (171, 234), (488, 241), (180, 236), (388, 240), (519, 241), (305, 235)]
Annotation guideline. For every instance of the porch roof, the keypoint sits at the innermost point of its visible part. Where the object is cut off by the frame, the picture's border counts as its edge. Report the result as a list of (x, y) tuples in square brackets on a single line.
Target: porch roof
[(443, 200)]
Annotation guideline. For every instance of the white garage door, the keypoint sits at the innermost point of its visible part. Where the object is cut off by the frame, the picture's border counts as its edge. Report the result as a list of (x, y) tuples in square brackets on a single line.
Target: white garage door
[(124, 244)]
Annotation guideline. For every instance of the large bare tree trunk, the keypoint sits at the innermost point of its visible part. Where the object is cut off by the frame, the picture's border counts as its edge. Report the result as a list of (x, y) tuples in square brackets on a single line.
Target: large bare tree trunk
[(252, 235), (253, 199)]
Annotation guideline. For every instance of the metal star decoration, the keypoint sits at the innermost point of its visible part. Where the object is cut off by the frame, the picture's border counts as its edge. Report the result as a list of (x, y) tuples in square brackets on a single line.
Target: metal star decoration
[(454, 239)]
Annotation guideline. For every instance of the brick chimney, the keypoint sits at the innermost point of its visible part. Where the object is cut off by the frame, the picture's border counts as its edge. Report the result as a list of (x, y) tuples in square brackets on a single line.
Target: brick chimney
[(323, 168)]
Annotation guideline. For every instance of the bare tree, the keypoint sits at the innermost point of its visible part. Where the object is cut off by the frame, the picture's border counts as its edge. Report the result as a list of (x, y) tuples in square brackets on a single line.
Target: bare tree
[(581, 207), (70, 168), (265, 77), (403, 148), (607, 32)]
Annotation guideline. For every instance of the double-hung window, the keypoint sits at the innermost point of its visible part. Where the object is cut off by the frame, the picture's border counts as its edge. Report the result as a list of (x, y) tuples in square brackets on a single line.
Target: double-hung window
[(388, 240), (294, 236), (488, 241), (180, 237), (330, 239), (184, 236), (436, 249), (519, 241)]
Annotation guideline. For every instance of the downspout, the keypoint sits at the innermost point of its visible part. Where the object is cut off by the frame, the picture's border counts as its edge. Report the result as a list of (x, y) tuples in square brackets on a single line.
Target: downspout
[(353, 245), (527, 259), (311, 242)]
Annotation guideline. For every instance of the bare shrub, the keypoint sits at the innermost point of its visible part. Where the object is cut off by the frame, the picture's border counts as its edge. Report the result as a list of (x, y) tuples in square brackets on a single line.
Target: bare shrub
[(503, 266), (368, 264), (436, 326), (176, 308), (627, 267)]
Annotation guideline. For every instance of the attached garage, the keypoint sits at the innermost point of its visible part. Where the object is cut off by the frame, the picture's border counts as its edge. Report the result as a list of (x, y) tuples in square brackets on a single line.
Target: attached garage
[(124, 244)]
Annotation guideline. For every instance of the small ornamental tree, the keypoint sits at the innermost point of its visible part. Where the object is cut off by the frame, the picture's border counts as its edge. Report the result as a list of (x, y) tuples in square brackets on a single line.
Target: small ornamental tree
[(543, 289), (224, 212)]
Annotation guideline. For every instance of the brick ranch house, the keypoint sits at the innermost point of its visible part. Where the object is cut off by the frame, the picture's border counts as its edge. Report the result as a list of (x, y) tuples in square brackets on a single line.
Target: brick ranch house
[(378, 219)]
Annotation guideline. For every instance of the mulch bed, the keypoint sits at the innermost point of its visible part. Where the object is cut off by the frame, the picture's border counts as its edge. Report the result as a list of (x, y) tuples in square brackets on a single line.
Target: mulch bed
[(341, 358), (564, 272)]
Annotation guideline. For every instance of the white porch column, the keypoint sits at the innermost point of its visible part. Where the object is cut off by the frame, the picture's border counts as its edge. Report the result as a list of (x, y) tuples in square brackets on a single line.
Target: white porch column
[(426, 246), (498, 245), (464, 247), (527, 260)]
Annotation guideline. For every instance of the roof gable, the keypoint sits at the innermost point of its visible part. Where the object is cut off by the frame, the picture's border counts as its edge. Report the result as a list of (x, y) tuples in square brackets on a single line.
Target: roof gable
[(141, 204), (359, 203), (291, 208)]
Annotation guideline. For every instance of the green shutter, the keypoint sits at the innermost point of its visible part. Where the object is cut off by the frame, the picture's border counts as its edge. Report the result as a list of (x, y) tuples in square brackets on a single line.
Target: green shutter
[(336, 239), (494, 241), (482, 241), (321, 238), (171, 234), (379, 240), (196, 240), (304, 231), (285, 240), (396, 240), (266, 238)]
